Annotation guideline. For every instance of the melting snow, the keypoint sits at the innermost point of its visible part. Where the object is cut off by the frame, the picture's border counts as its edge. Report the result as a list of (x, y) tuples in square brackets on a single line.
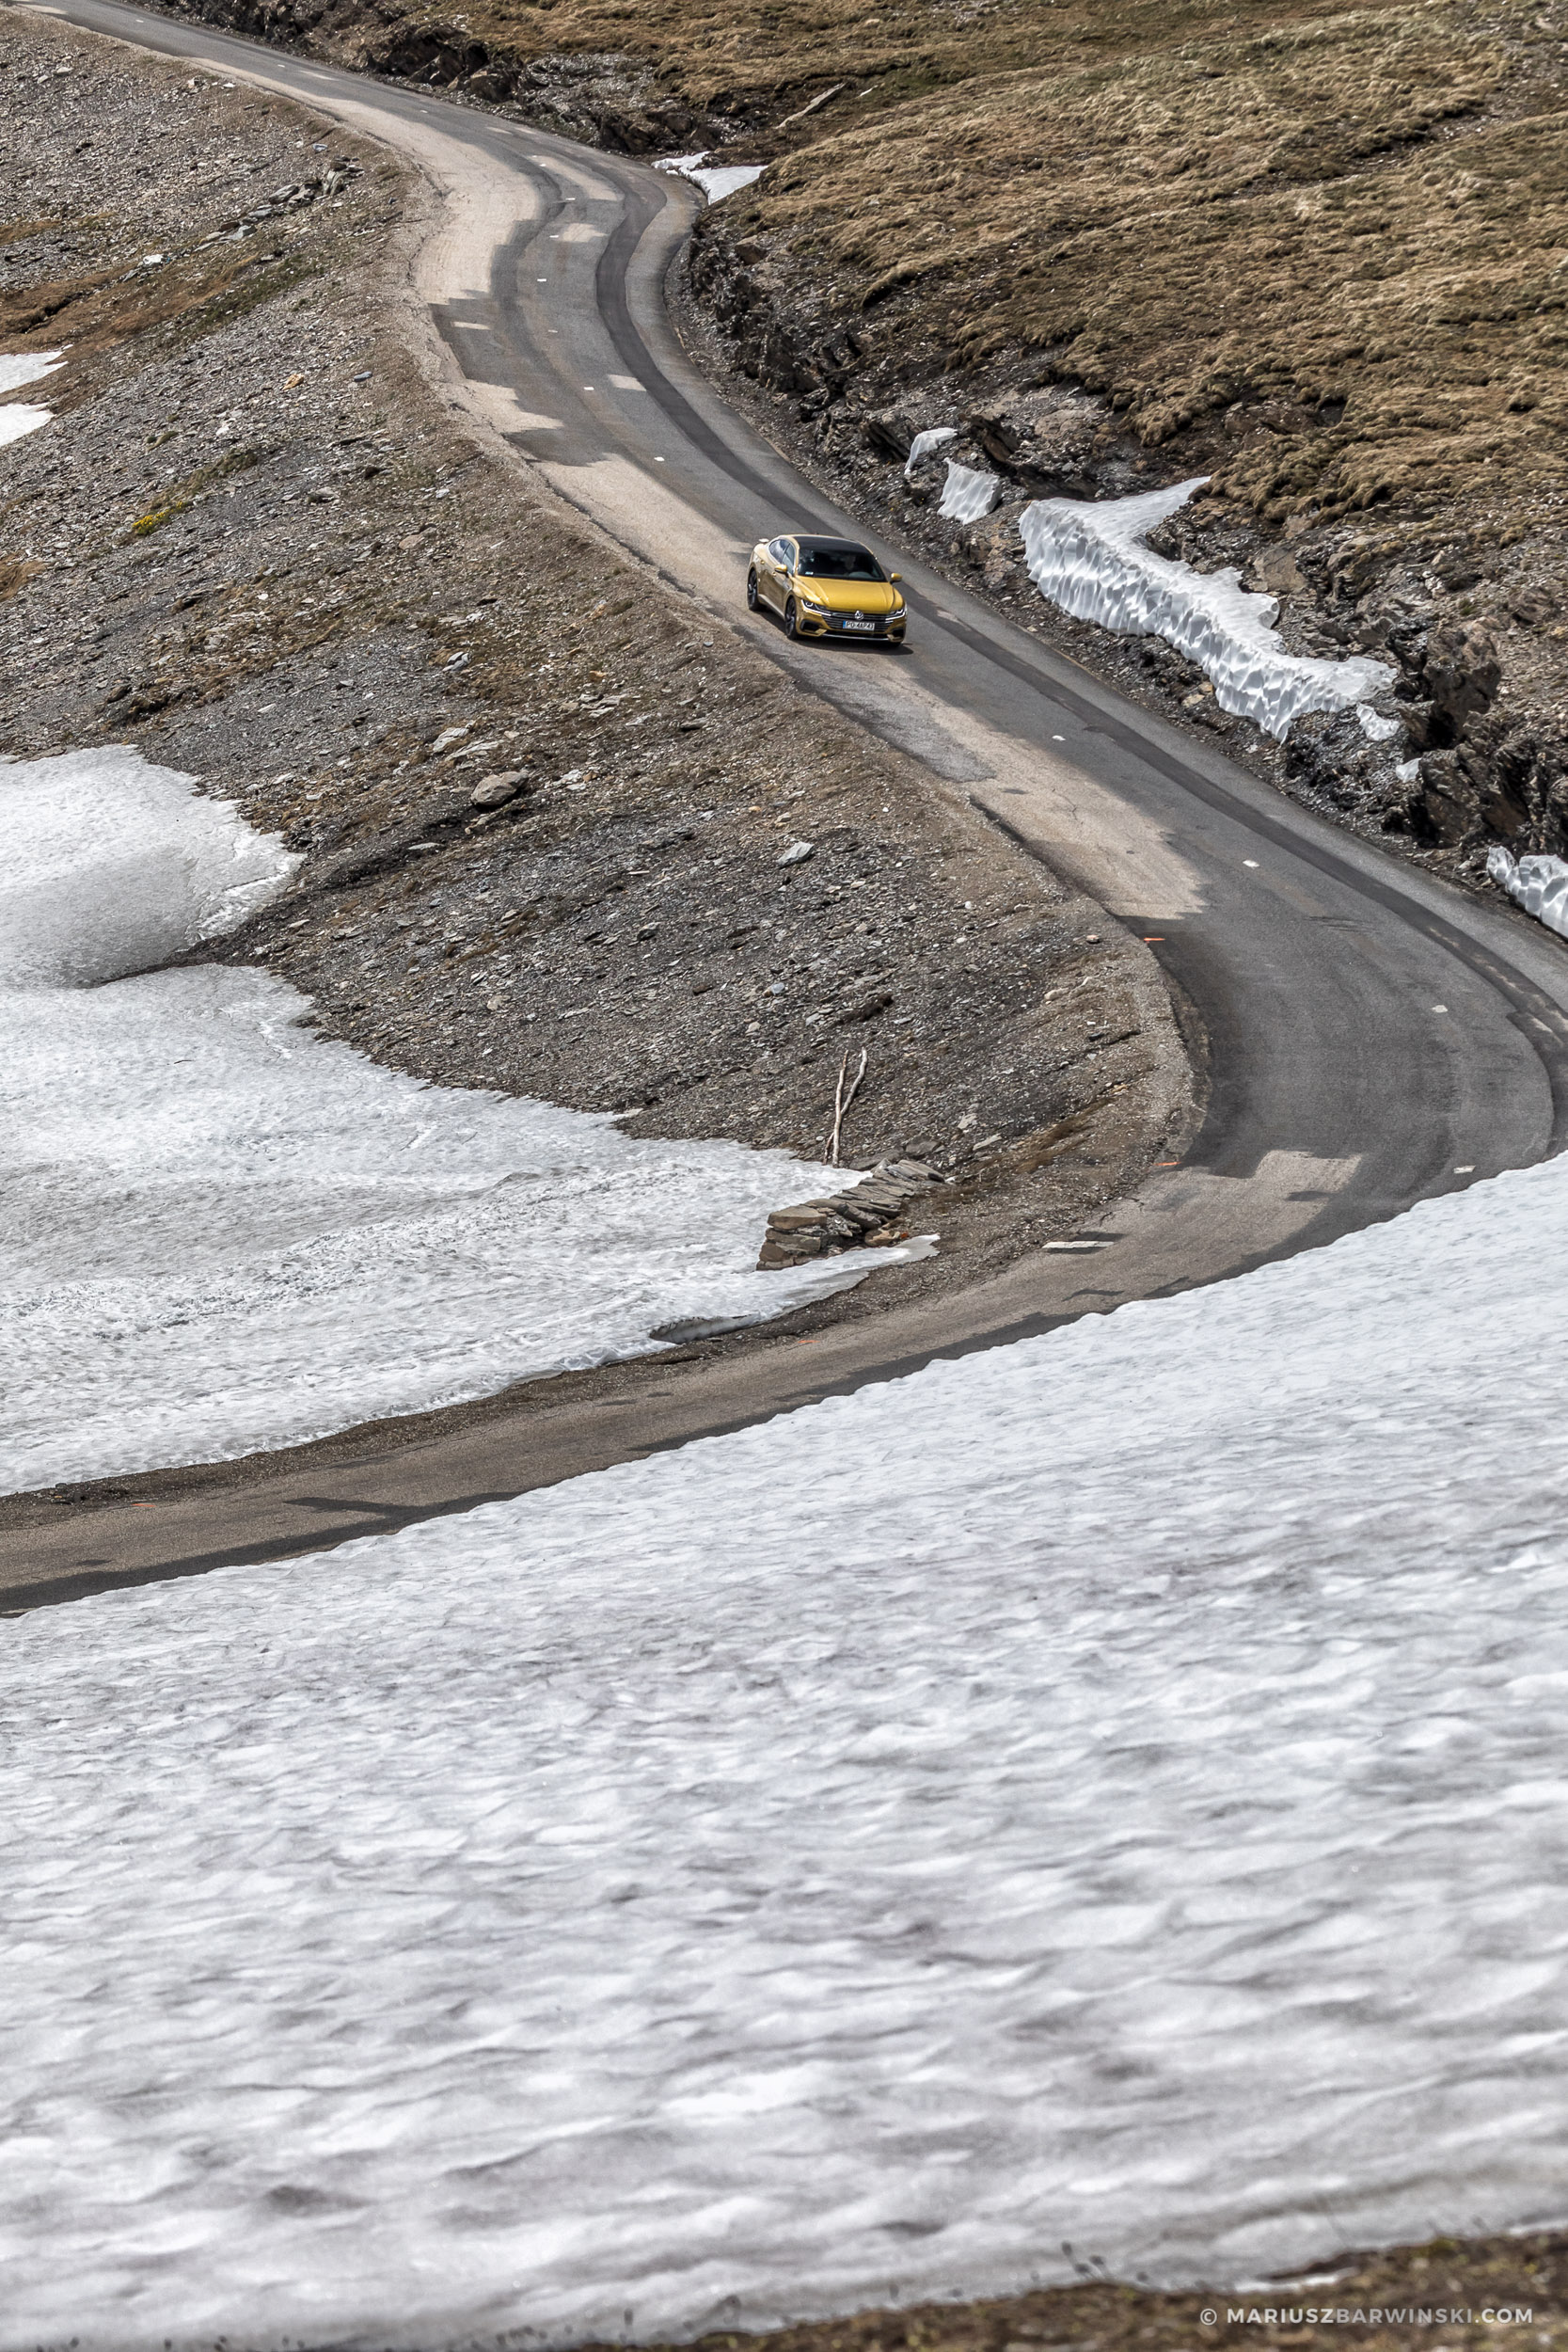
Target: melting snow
[(26, 367), (17, 417), (225, 1233), (967, 495), (716, 181), (111, 867), (1375, 726), (1090, 559), (1539, 883), (18, 368), (1109, 1788), (925, 443)]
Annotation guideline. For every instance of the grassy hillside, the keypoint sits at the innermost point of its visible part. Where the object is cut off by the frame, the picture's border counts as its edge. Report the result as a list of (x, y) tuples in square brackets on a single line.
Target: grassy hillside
[(1353, 226)]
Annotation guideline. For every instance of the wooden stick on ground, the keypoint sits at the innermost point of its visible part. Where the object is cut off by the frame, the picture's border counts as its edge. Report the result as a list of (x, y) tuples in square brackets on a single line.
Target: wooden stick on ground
[(843, 1100)]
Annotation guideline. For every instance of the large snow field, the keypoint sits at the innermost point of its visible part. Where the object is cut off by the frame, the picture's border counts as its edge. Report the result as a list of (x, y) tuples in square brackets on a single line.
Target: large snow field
[(1090, 557), (1106, 1790), (223, 1232)]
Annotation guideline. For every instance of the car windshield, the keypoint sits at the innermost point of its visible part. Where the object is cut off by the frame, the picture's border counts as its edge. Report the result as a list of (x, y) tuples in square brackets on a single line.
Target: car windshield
[(832, 560)]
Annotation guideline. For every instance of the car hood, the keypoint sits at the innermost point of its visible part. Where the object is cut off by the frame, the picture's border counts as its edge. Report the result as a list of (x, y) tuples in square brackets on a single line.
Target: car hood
[(870, 596)]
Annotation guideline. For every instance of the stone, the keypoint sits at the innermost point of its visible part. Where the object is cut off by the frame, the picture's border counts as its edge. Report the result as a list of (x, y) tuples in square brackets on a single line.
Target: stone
[(495, 791), (775, 1253), (1277, 572), (890, 432), (1531, 606), (868, 1006), (796, 853), (1461, 674), (863, 1216)]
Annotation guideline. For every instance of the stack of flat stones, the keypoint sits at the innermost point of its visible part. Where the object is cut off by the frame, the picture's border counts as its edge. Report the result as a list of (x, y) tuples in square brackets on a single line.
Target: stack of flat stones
[(869, 1212)]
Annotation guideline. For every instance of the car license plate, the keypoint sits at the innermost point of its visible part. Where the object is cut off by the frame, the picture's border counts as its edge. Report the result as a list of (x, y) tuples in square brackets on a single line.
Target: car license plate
[(867, 627)]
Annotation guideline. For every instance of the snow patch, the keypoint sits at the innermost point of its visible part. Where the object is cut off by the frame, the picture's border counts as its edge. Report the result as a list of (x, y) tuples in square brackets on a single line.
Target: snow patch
[(1378, 729), (223, 1232), (17, 417), (717, 181), (111, 867), (1538, 884), (1108, 1788), (925, 443), (1090, 559), (967, 495), (18, 368)]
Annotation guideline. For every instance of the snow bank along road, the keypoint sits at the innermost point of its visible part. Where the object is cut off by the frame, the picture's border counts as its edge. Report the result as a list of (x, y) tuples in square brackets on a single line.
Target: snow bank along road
[(1374, 1039)]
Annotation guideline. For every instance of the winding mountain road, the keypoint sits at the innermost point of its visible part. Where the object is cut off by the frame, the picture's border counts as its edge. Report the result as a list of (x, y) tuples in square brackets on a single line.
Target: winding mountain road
[(1375, 1037)]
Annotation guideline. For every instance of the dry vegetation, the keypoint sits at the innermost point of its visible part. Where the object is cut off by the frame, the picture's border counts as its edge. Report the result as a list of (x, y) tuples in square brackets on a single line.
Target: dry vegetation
[(1356, 225), (1179, 208)]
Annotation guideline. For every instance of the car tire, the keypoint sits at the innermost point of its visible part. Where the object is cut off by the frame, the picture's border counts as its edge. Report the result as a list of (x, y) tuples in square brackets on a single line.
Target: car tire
[(750, 592), (790, 630)]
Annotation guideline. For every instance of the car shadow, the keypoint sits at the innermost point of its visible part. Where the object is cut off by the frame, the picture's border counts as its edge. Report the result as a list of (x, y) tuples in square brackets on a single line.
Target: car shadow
[(761, 611)]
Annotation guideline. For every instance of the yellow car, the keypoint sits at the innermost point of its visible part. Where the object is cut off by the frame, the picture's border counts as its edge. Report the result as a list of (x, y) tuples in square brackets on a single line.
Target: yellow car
[(825, 588)]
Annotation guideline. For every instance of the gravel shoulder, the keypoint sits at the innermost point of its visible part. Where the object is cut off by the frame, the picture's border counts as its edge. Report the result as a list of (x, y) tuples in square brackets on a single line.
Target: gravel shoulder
[(543, 800)]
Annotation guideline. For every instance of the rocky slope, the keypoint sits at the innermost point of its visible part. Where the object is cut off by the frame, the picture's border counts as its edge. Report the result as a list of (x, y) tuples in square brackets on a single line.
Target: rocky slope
[(550, 844)]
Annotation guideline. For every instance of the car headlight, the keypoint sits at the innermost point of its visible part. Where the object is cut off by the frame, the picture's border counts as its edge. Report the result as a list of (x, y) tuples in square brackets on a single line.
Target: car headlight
[(809, 602)]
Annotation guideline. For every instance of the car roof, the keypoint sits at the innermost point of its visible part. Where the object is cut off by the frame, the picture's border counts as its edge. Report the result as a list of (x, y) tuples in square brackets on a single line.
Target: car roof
[(821, 546)]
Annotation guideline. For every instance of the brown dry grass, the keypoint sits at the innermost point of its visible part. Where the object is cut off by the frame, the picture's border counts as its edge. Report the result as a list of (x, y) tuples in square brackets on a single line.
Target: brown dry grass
[(1369, 209)]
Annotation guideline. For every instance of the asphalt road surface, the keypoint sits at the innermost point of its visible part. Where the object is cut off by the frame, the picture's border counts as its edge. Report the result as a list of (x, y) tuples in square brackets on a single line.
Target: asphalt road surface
[(1375, 1037)]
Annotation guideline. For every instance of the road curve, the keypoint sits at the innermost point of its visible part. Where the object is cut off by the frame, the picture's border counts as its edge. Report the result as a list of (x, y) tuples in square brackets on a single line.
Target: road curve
[(1375, 1037)]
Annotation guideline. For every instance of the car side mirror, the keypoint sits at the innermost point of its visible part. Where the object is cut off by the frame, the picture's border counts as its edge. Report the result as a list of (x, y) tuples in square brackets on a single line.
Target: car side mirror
[(892, 576)]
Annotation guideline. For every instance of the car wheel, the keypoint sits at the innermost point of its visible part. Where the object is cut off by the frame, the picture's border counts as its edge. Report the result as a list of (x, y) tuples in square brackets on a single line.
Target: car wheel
[(790, 630), (750, 592)]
